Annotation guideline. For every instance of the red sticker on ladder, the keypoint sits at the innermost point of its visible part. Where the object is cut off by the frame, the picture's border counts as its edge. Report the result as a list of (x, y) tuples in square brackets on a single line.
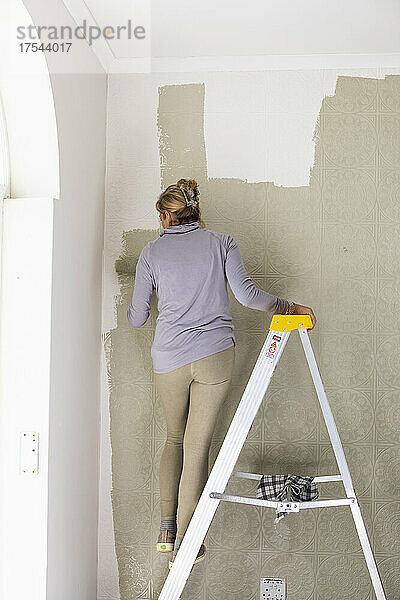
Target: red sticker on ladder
[(271, 352)]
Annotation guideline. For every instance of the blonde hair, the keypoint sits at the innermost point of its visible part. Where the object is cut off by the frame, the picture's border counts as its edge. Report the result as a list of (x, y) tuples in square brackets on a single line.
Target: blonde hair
[(174, 199)]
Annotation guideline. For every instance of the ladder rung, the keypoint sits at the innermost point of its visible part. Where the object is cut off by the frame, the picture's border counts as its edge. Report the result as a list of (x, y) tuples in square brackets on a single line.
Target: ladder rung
[(257, 476), (273, 503)]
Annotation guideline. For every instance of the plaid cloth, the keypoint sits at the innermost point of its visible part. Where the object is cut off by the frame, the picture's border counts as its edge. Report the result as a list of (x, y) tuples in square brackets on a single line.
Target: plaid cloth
[(276, 487)]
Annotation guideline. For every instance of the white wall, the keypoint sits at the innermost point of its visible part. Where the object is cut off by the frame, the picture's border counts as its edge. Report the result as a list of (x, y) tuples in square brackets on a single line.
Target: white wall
[(26, 239), (28, 105), (70, 461), (74, 431), (25, 377), (79, 90)]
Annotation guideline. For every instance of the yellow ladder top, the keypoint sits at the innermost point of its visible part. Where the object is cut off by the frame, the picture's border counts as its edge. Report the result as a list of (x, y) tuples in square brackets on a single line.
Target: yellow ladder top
[(290, 322)]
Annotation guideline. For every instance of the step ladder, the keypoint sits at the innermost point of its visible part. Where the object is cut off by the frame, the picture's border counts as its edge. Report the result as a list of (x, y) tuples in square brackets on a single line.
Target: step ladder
[(213, 491)]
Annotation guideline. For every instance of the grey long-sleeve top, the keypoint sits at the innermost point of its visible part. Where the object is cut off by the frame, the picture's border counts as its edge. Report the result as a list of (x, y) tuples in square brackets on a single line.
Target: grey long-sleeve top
[(189, 267)]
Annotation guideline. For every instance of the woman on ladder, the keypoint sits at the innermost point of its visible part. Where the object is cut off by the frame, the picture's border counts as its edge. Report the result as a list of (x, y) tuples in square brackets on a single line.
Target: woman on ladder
[(193, 351)]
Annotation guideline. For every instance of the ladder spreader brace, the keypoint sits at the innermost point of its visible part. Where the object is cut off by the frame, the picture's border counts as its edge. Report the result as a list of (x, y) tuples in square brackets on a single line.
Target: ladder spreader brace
[(222, 470)]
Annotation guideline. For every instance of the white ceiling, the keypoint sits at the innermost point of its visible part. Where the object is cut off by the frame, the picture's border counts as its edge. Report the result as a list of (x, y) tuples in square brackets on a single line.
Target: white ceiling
[(231, 28)]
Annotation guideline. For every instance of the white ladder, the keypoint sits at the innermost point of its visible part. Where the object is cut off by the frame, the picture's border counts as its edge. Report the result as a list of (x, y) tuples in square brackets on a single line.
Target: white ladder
[(213, 491)]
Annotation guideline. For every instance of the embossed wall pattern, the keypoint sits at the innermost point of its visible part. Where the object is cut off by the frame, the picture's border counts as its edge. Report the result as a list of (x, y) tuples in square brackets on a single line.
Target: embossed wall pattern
[(333, 245)]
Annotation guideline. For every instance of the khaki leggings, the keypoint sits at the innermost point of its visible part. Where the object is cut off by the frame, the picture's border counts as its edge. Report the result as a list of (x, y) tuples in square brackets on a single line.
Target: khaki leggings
[(191, 397)]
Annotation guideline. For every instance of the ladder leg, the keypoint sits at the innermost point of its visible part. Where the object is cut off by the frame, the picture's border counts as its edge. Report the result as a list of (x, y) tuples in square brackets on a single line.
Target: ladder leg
[(342, 464), (368, 554), (224, 464)]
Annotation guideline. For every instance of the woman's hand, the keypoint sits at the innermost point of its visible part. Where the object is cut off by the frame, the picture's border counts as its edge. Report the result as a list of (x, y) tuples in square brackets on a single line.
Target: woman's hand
[(299, 309)]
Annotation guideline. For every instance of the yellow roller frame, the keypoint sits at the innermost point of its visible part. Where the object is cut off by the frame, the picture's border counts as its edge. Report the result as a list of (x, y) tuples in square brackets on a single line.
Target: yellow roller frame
[(290, 322)]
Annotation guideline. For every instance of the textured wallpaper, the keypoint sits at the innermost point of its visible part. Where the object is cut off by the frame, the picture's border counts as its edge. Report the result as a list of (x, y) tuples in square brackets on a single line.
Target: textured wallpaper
[(333, 245)]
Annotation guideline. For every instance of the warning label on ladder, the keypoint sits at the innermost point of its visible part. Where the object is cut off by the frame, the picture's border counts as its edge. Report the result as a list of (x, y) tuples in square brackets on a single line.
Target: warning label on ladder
[(271, 352)]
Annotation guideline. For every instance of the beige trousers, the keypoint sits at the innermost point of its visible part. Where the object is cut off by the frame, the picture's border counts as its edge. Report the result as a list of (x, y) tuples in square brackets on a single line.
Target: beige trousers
[(191, 397)]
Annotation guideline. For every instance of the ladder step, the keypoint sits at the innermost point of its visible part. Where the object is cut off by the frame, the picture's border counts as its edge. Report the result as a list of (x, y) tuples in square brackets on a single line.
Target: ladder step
[(274, 503), (318, 479)]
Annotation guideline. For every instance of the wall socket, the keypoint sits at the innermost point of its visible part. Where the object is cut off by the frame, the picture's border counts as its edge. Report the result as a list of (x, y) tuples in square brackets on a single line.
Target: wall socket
[(272, 589)]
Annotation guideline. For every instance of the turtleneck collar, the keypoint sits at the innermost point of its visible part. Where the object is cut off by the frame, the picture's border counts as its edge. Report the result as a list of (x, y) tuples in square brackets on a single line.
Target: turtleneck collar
[(183, 228)]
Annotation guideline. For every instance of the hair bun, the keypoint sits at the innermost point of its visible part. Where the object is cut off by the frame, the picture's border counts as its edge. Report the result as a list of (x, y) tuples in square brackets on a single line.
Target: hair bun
[(190, 186)]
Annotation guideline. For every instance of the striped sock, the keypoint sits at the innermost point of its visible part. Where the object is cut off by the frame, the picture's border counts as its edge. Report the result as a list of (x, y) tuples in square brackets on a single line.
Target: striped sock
[(169, 524), (177, 543)]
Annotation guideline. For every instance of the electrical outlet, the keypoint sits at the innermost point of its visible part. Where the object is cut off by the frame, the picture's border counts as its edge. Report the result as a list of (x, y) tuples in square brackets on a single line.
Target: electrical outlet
[(272, 589)]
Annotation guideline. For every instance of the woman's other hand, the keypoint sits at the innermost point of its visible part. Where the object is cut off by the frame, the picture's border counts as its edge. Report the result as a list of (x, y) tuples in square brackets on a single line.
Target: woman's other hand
[(299, 309)]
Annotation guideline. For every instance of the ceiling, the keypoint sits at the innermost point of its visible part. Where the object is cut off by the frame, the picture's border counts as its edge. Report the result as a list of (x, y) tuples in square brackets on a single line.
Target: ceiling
[(204, 31)]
